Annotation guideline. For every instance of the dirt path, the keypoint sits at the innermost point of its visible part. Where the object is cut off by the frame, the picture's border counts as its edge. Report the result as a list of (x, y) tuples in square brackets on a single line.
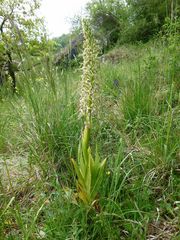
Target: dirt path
[(13, 170)]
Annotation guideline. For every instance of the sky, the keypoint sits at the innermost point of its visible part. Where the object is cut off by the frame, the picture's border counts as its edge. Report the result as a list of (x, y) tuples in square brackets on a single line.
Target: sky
[(58, 12)]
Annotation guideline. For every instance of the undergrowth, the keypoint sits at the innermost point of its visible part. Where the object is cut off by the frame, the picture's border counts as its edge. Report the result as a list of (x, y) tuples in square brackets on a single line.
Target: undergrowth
[(137, 129)]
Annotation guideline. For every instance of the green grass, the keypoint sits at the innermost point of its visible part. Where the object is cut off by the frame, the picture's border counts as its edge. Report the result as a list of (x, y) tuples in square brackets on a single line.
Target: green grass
[(137, 129)]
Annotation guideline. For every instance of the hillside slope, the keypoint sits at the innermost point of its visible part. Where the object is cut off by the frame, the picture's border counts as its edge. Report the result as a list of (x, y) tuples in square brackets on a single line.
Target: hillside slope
[(137, 129)]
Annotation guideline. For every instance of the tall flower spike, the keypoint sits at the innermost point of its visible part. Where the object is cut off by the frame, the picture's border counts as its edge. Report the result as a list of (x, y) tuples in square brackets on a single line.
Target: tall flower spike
[(89, 169), (88, 83)]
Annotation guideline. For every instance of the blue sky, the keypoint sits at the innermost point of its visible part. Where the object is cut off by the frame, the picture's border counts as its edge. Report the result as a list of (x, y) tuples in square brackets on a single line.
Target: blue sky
[(58, 12)]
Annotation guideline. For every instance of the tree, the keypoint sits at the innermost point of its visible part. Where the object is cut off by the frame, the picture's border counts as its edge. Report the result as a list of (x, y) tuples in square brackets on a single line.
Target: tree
[(107, 18), (129, 20), (147, 17), (20, 29)]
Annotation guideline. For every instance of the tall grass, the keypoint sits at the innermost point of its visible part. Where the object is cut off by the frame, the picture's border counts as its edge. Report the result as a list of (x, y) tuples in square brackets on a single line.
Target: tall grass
[(137, 130)]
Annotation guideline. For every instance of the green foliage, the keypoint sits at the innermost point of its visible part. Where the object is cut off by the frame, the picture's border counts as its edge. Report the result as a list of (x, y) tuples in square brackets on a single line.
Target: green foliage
[(61, 42), (89, 172), (171, 37), (128, 21), (107, 18), (137, 131), (22, 34), (147, 17)]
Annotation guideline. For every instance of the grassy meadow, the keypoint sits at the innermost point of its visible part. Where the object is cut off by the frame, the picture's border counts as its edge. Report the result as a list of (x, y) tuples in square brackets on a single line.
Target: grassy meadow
[(136, 129)]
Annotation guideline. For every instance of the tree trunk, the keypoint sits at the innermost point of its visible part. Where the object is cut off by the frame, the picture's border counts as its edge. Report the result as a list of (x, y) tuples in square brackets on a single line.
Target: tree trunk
[(172, 10), (11, 71)]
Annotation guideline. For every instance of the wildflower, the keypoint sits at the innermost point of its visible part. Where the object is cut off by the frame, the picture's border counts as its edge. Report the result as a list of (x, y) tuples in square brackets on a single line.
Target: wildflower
[(88, 83), (89, 169)]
